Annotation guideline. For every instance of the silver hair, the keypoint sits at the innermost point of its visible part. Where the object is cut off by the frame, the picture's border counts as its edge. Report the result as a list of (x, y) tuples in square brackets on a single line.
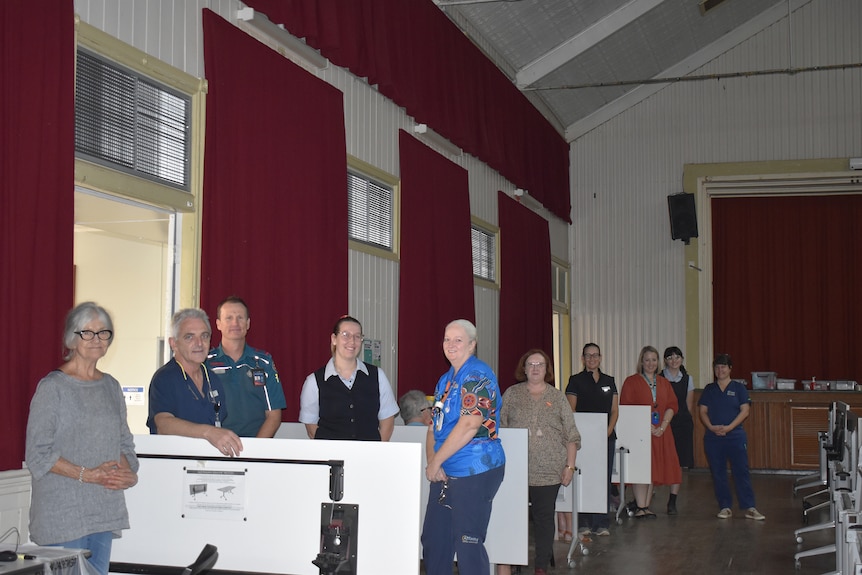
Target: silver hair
[(467, 326), (411, 405), (77, 318), (188, 313)]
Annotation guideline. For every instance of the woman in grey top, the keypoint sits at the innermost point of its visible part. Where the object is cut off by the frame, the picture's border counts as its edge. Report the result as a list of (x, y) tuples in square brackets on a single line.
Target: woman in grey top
[(80, 451), (553, 444)]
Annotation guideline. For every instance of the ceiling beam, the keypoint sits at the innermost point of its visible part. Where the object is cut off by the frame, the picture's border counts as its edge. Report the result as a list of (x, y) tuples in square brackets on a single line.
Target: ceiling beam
[(577, 45), (700, 58)]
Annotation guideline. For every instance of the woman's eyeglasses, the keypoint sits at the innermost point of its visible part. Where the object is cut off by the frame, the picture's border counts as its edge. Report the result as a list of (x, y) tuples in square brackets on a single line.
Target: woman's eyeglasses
[(88, 334), (357, 337)]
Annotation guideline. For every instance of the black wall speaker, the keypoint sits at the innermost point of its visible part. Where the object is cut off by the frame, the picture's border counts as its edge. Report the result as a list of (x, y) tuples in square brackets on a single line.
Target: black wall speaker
[(683, 217)]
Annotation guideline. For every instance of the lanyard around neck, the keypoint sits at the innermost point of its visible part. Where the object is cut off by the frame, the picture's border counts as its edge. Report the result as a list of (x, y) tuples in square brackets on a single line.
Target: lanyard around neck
[(652, 387)]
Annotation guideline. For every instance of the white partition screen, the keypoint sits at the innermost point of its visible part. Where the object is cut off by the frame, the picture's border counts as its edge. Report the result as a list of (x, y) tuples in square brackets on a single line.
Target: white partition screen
[(263, 512)]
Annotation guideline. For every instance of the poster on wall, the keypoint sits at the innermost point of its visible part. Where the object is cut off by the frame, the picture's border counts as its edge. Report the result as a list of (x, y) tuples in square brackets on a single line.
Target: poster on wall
[(371, 351)]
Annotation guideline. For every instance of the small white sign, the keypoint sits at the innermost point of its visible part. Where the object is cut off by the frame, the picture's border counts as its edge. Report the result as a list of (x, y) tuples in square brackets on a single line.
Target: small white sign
[(133, 395), (214, 494)]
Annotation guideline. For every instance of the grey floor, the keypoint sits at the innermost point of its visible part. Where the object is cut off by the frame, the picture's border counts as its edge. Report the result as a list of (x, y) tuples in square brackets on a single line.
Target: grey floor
[(695, 541)]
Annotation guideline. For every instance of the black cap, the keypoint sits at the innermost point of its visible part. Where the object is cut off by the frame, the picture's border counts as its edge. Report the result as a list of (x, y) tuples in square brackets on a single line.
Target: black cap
[(723, 359)]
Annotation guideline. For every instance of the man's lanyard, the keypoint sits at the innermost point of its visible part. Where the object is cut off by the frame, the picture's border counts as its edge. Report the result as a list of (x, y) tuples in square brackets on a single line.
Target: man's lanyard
[(210, 396)]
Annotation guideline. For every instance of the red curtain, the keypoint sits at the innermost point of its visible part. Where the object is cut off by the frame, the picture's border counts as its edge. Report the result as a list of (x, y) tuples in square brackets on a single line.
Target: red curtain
[(526, 313), (436, 276), (786, 285), (423, 62), (37, 154), (275, 200)]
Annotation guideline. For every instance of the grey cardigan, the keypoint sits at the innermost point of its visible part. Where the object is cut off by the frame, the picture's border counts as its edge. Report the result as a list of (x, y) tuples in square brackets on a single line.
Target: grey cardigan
[(85, 423)]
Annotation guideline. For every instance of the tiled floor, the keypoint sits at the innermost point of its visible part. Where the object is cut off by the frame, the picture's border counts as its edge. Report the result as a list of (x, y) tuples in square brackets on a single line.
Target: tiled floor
[(695, 541)]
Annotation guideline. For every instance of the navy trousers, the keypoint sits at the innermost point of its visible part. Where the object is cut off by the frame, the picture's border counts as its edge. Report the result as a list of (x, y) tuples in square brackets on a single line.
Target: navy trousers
[(456, 521), (720, 451)]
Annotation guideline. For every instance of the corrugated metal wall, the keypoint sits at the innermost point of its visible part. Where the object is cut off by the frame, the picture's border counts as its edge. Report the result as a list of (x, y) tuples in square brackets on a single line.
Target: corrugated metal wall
[(627, 274), (171, 31)]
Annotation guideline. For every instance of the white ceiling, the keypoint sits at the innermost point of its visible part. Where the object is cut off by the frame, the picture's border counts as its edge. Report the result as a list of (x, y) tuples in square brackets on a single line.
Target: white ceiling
[(548, 46)]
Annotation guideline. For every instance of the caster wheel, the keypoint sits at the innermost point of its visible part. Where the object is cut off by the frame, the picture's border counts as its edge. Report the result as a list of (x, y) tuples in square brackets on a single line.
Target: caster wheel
[(631, 513), (799, 538), (572, 564), (619, 521), (798, 565), (585, 551)]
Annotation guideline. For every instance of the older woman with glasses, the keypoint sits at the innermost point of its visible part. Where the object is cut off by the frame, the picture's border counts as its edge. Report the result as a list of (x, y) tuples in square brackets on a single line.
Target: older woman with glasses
[(79, 451), (540, 408), (347, 398), (465, 458)]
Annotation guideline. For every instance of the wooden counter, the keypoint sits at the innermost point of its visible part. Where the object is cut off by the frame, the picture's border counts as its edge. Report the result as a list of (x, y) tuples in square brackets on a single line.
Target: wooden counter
[(782, 427)]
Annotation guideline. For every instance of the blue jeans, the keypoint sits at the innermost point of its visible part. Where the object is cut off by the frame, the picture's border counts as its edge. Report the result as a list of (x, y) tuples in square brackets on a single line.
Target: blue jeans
[(99, 545), (456, 521)]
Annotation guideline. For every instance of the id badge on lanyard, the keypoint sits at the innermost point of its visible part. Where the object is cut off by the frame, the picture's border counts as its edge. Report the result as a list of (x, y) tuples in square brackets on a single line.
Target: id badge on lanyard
[(438, 415)]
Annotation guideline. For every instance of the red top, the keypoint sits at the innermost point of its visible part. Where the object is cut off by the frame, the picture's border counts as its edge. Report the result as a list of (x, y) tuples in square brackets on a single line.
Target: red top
[(665, 462)]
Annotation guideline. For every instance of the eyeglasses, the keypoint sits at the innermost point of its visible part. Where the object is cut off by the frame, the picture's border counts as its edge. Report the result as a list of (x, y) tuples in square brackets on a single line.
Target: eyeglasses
[(345, 336), (88, 334), (592, 355), (535, 364), (672, 356)]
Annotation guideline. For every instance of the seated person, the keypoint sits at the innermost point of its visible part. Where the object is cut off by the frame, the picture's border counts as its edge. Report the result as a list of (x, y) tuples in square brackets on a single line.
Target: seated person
[(415, 408)]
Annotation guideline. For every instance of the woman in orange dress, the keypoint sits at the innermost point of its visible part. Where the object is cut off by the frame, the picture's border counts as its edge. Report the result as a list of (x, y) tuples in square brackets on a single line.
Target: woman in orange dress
[(647, 387)]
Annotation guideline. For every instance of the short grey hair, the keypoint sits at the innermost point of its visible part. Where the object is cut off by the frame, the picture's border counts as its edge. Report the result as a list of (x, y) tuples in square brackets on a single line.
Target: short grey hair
[(411, 405), (468, 328), (466, 325), (78, 317), (188, 313)]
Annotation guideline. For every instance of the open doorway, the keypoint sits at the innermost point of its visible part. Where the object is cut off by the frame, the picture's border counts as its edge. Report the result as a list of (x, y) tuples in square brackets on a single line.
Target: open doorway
[(124, 261)]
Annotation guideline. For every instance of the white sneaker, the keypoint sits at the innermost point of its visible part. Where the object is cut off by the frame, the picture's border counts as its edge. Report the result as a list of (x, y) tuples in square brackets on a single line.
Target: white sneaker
[(726, 513), (753, 513)]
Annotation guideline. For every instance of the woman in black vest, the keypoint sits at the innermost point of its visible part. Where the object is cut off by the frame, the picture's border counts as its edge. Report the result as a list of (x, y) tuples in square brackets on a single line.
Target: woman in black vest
[(682, 424), (347, 398)]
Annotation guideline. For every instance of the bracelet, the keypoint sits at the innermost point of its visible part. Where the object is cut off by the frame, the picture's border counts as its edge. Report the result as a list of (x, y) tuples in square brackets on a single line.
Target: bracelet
[(570, 467), (81, 474)]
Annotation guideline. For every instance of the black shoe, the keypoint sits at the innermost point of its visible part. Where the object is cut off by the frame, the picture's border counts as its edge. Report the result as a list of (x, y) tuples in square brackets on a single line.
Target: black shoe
[(671, 507)]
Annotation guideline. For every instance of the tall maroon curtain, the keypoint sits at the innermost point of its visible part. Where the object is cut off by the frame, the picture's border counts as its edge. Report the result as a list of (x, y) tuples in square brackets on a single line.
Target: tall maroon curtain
[(436, 276), (526, 313), (423, 62), (786, 285), (37, 155), (275, 200)]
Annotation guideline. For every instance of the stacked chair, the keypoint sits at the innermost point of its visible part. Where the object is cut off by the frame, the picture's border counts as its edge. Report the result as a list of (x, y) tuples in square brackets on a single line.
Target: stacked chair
[(840, 458)]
